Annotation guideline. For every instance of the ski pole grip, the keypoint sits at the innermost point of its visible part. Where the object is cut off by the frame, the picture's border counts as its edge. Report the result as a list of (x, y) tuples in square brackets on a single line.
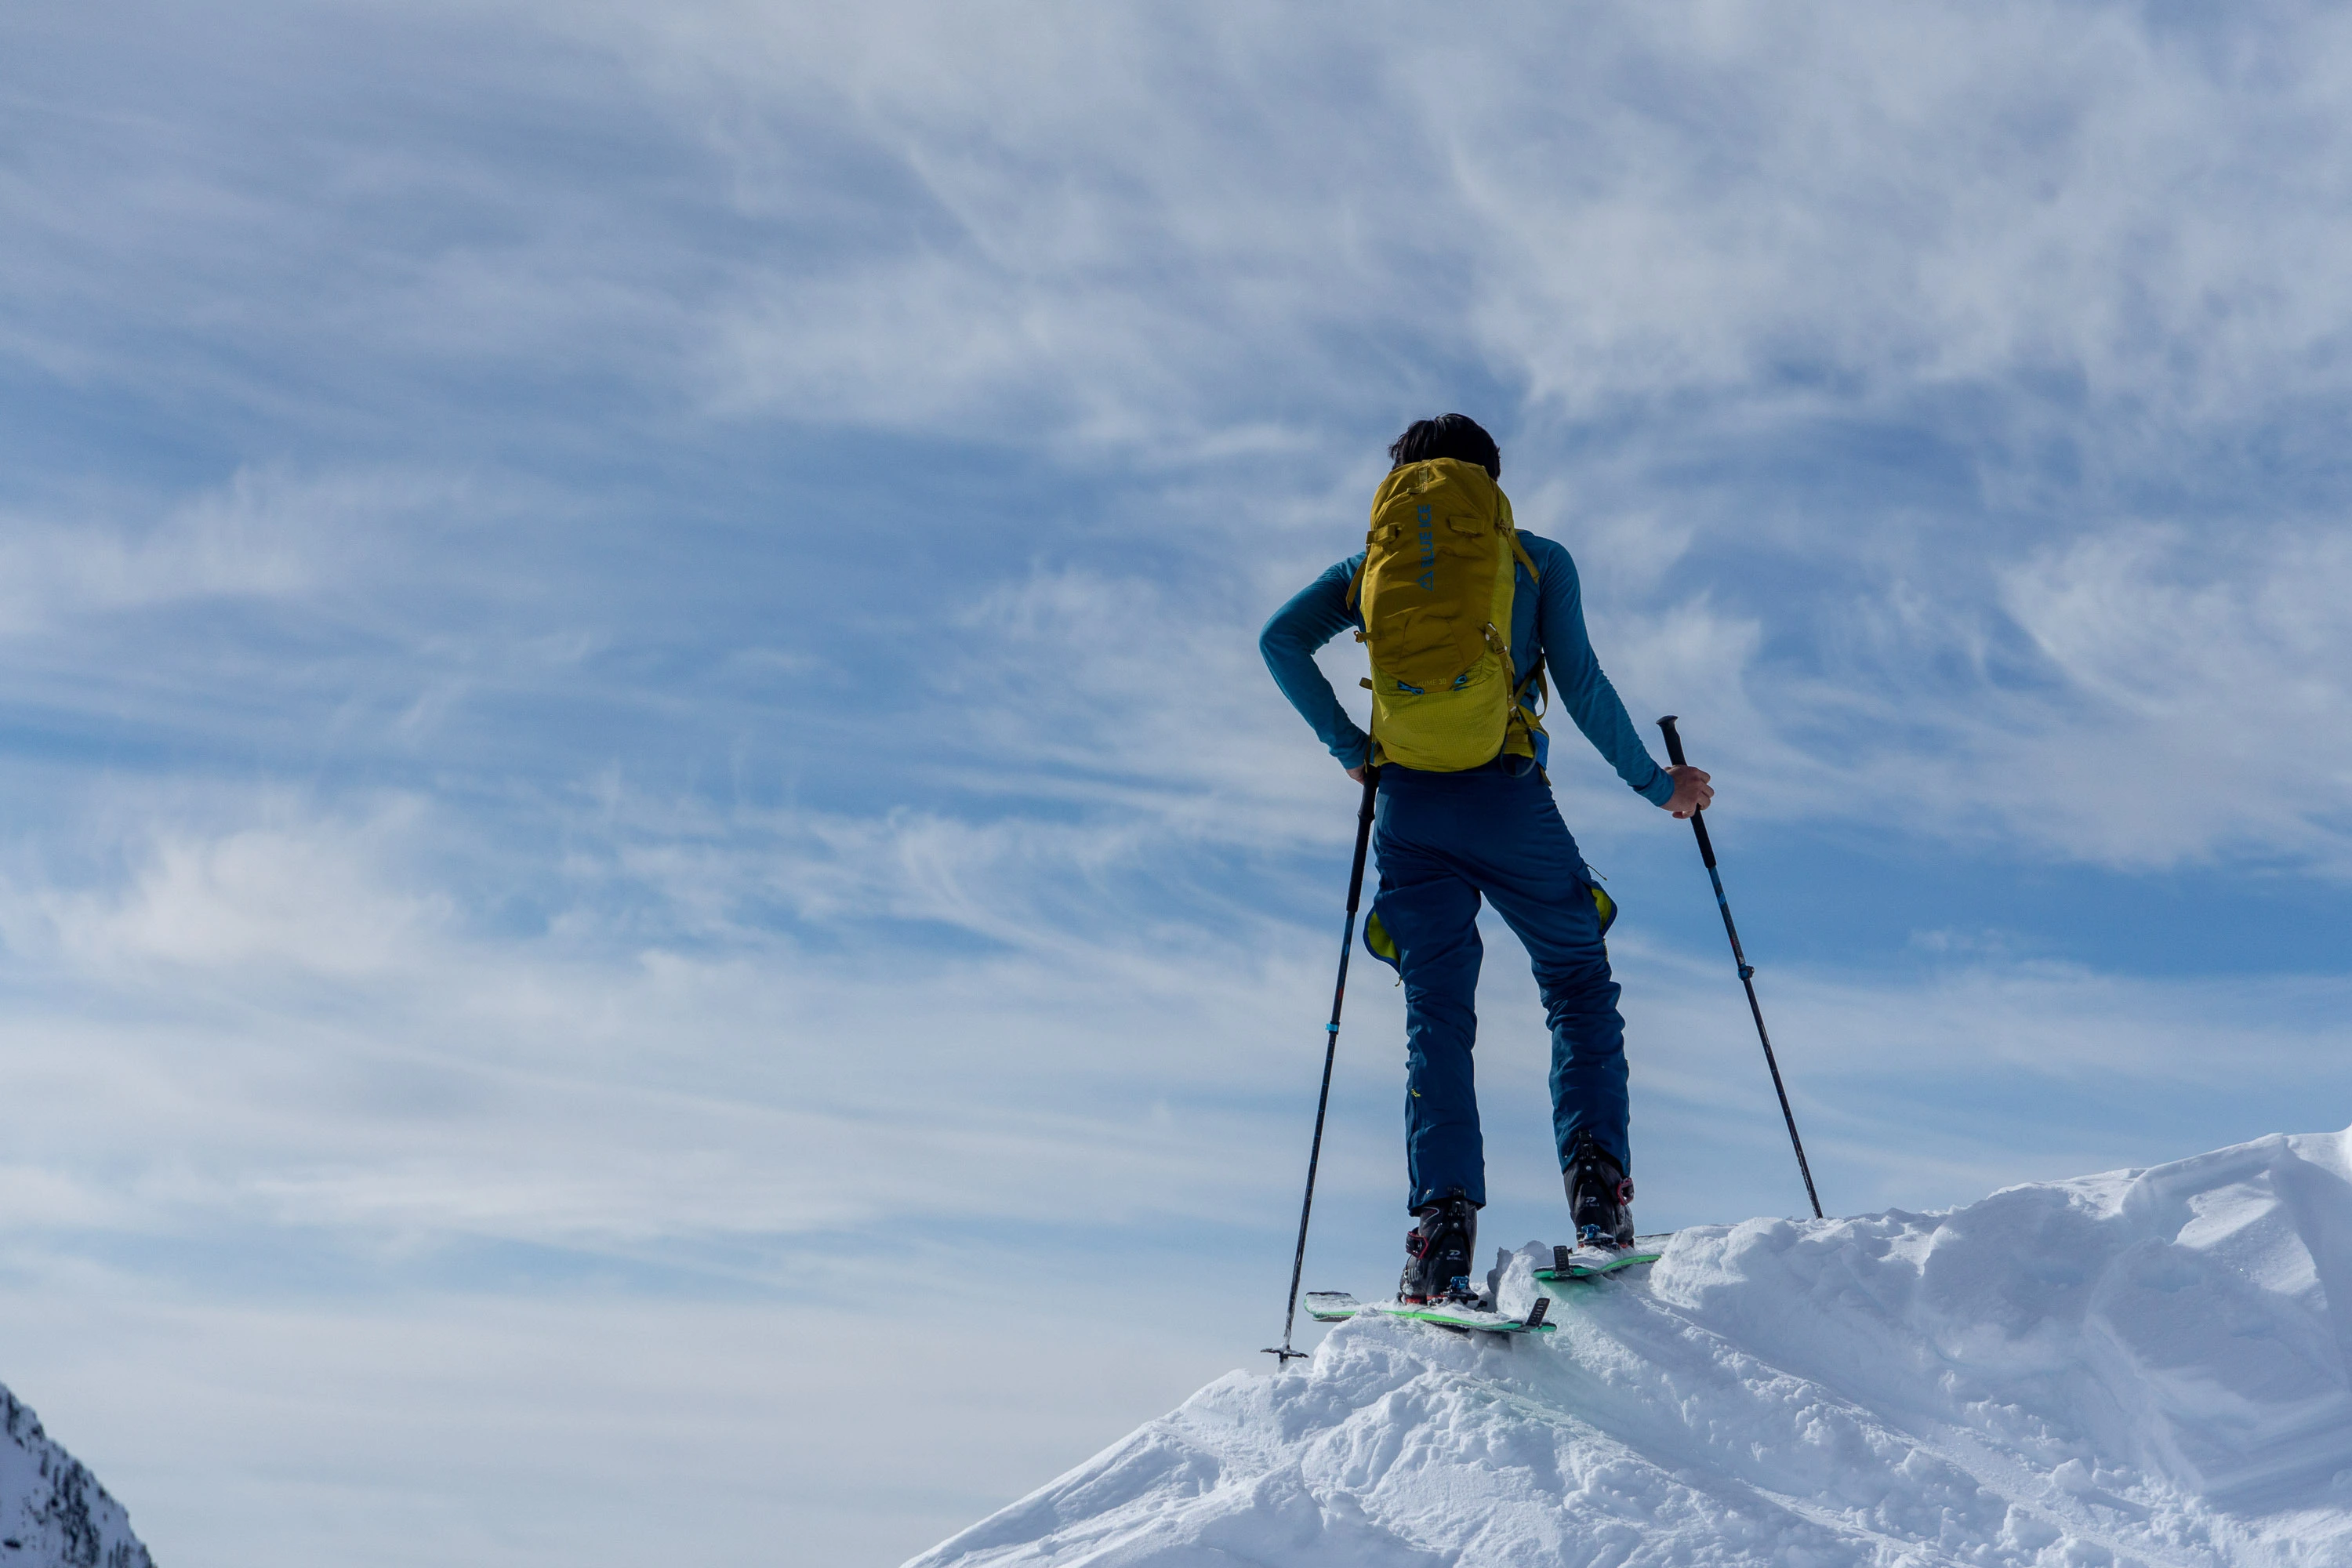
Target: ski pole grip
[(1673, 741), (1698, 824)]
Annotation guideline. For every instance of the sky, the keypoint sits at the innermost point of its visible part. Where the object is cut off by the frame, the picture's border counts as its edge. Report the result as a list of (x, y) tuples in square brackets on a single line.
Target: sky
[(654, 905)]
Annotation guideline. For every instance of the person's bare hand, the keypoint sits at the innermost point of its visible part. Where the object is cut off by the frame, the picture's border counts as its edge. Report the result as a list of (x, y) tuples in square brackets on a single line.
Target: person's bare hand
[(1691, 792), (1357, 774)]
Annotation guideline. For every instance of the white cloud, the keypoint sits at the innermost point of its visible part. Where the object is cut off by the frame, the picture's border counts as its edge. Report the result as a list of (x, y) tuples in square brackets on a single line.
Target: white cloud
[(2205, 686), (1114, 216), (262, 536), (311, 897), (2140, 696)]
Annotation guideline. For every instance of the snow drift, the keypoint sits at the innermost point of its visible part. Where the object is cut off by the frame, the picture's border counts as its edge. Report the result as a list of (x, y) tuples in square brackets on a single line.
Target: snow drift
[(2145, 1367), (53, 1513)]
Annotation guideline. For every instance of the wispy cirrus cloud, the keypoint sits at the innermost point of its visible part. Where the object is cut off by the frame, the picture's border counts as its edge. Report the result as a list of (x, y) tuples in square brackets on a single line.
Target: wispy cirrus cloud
[(2082, 278)]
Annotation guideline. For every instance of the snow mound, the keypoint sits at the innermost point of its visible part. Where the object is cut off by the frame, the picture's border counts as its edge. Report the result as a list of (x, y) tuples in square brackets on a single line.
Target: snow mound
[(53, 1513), (2140, 1368)]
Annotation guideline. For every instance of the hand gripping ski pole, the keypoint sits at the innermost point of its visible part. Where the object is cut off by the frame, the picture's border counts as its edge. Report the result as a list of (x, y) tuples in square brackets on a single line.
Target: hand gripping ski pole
[(1746, 970), (1284, 1356)]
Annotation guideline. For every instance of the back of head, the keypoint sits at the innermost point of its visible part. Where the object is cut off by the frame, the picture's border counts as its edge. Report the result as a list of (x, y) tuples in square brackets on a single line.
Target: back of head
[(1447, 435)]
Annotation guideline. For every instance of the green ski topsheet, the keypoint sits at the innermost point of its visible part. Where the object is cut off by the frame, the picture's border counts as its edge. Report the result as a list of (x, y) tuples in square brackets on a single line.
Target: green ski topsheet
[(1337, 1306), (1583, 1263)]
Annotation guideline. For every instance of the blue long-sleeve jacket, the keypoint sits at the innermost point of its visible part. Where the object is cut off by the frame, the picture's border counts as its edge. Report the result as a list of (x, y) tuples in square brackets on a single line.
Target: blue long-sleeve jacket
[(1547, 624)]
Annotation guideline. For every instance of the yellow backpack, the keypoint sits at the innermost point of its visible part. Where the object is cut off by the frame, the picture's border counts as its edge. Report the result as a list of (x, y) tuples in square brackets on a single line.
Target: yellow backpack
[(1436, 587)]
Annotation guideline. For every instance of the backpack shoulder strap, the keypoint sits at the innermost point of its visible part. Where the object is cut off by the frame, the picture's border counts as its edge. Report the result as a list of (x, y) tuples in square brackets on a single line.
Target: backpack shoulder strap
[(1535, 675), (1521, 552)]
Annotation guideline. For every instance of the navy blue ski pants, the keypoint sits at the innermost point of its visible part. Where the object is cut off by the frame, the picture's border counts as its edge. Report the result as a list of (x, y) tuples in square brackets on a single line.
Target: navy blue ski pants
[(1444, 840)]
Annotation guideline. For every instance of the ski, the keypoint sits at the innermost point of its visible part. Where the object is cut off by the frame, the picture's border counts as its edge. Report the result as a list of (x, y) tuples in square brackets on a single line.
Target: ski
[(1338, 1306), (1570, 1264)]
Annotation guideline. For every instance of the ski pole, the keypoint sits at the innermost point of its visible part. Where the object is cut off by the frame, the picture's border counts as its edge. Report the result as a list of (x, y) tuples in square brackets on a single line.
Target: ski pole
[(1747, 971), (1284, 1356)]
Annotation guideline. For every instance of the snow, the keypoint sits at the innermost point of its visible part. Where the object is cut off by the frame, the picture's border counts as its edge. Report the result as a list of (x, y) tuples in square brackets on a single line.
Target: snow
[(2139, 1368), (53, 1513)]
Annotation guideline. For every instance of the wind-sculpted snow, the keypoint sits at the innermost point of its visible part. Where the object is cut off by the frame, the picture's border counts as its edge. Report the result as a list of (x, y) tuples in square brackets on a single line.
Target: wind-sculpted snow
[(2145, 1367), (53, 1513)]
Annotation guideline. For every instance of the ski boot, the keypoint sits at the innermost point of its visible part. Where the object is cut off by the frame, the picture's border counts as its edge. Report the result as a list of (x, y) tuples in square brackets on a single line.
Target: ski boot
[(1437, 1252), (1599, 1195)]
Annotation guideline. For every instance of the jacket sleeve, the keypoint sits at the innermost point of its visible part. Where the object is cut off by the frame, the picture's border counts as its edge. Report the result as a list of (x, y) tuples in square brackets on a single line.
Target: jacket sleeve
[(1584, 690), (1315, 614)]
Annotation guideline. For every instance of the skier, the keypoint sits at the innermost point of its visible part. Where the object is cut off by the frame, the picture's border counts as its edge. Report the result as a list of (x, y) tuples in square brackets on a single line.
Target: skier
[(1464, 811)]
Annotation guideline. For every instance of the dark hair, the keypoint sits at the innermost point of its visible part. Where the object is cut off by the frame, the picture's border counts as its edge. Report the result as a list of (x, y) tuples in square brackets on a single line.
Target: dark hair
[(1447, 435)]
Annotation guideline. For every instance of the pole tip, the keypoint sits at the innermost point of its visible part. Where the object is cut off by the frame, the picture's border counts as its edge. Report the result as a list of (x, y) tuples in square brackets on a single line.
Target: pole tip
[(1667, 723)]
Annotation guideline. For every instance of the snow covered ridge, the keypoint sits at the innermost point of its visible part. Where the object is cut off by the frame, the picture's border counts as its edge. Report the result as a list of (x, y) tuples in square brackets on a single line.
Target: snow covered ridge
[(2145, 1367), (53, 1513)]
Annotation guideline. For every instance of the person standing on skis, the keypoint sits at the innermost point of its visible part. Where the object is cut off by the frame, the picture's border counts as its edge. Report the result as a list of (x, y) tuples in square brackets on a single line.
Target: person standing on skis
[(1462, 614)]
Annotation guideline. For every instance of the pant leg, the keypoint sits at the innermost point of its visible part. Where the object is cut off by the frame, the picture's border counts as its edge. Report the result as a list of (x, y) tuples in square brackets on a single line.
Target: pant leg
[(1431, 911), (1529, 867)]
